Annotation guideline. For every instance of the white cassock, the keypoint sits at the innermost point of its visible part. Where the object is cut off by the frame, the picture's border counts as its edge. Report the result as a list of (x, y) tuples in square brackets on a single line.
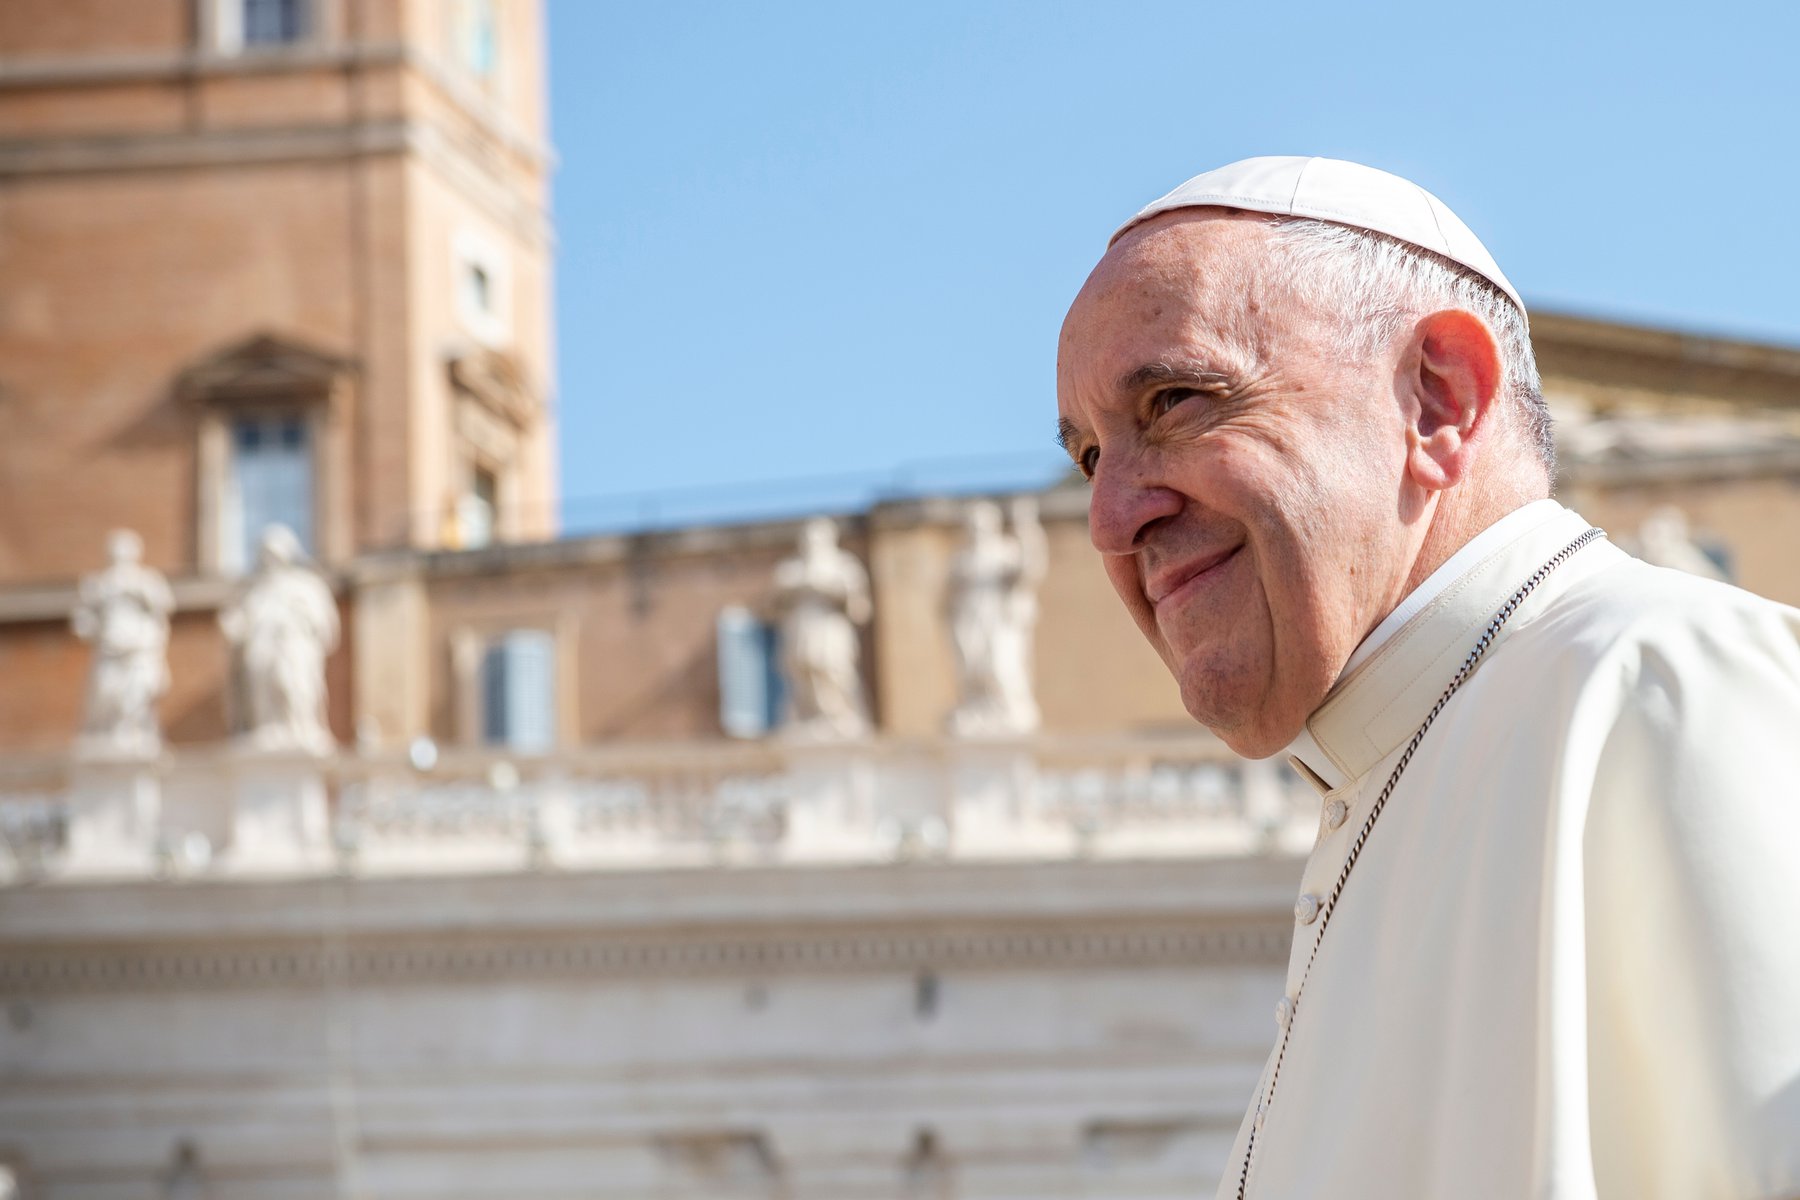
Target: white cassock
[(1566, 960)]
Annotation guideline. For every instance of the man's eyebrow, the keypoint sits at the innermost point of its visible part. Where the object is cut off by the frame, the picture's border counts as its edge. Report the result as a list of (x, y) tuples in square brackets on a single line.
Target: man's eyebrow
[(1067, 435), (1162, 372)]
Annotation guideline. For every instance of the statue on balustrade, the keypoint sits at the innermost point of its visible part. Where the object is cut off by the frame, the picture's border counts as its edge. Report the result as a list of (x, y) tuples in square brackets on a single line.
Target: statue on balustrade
[(993, 615), (822, 596), (282, 627), (124, 611)]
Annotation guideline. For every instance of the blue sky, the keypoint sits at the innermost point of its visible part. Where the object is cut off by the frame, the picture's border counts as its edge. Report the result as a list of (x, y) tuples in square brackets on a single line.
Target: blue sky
[(810, 253)]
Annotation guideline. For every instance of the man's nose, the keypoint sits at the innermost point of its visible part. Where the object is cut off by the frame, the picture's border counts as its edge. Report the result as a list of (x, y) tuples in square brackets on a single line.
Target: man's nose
[(1125, 504)]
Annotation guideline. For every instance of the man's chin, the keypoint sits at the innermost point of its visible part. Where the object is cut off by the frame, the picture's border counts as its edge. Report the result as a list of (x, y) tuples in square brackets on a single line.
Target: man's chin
[(1250, 731), (1245, 740), (1256, 744)]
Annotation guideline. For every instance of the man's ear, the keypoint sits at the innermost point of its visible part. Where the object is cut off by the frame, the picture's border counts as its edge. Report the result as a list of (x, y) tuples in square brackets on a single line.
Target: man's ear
[(1451, 373)]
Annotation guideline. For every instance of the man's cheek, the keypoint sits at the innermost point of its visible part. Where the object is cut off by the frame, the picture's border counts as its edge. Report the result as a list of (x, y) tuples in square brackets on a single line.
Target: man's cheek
[(1122, 573)]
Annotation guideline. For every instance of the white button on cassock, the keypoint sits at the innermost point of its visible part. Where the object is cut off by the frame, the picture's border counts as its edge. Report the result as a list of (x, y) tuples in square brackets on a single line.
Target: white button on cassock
[(1284, 1012), (1306, 909), (1335, 812)]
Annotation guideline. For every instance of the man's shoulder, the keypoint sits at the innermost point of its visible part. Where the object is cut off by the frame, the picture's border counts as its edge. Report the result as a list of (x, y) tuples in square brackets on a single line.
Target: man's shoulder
[(1675, 691), (1626, 600), (1629, 625)]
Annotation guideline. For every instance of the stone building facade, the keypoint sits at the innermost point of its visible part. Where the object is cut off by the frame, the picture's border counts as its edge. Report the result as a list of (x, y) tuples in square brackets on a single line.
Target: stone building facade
[(291, 259), (285, 259)]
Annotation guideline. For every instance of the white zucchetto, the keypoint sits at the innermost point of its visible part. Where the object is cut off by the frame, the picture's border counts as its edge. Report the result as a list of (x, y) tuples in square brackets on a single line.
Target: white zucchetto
[(1344, 193)]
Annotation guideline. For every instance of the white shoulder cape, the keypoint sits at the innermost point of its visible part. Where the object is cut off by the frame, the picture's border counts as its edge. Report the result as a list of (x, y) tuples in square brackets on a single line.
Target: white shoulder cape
[(1566, 963)]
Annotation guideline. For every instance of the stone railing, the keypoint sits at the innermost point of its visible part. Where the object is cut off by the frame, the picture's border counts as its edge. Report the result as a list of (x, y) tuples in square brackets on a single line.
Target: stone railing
[(227, 811)]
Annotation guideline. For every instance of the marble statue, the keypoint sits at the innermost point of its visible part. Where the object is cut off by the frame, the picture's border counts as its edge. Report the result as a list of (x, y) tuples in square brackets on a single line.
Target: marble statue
[(124, 611), (822, 595), (282, 627), (1664, 541), (993, 614)]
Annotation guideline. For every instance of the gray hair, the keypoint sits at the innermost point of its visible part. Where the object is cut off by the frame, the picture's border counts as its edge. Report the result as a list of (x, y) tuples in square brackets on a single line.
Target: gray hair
[(1380, 284)]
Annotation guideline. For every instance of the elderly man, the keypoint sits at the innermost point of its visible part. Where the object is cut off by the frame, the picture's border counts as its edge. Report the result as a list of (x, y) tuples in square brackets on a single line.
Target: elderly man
[(1547, 943)]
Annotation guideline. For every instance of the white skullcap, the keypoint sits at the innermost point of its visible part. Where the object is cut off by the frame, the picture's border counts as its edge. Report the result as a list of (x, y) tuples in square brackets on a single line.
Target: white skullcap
[(1344, 193)]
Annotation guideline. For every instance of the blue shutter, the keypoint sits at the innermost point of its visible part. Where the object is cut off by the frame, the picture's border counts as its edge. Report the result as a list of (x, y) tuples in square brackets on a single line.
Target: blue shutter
[(493, 694), (518, 691), (273, 22), (750, 690)]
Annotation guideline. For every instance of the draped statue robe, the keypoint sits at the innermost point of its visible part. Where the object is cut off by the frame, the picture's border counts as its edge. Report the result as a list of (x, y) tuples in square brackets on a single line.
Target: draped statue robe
[(1566, 961)]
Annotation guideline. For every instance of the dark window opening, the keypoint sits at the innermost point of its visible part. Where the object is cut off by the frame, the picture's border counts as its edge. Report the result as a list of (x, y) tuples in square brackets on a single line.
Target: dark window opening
[(274, 22)]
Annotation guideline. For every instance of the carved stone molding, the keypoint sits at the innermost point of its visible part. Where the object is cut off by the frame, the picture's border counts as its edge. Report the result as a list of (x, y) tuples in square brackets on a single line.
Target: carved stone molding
[(497, 380), (1252, 941), (186, 65), (262, 368)]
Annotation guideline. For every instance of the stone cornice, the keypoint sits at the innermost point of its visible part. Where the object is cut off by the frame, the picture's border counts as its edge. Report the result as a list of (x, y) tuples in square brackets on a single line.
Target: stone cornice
[(1065, 499), (1771, 462), (193, 593), (655, 903), (1568, 331), (54, 601), (752, 922), (1665, 362), (1255, 940), (1060, 504), (313, 143), (164, 66), (204, 147), (177, 66), (582, 552)]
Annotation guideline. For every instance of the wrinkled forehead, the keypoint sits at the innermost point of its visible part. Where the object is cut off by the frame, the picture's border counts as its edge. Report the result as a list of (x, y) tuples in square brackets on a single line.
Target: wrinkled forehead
[(1185, 246), (1198, 269)]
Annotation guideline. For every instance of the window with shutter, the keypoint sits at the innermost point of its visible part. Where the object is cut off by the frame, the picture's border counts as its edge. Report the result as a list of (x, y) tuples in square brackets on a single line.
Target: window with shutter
[(273, 22), (518, 691), (750, 688)]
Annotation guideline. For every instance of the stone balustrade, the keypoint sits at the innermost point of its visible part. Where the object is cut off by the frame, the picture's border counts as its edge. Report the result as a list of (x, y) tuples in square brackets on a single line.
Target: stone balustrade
[(232, 811)]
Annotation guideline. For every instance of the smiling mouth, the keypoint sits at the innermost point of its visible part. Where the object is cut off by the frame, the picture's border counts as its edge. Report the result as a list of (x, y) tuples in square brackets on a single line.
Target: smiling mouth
[(1194, 575)]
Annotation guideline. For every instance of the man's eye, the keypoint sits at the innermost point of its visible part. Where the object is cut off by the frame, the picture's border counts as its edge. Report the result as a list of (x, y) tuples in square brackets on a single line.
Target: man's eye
[(1169, 398), (1089, 461)]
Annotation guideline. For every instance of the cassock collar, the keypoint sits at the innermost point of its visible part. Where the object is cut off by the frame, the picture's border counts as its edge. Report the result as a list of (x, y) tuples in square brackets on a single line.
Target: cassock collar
[(1399, 670)]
